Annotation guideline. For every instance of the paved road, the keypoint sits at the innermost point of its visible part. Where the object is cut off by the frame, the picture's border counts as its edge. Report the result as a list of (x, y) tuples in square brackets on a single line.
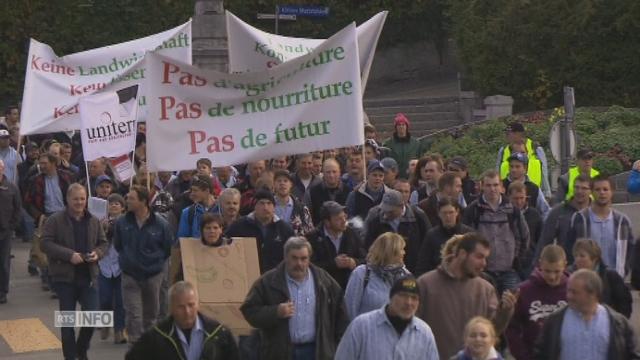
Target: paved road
[(26, 321)]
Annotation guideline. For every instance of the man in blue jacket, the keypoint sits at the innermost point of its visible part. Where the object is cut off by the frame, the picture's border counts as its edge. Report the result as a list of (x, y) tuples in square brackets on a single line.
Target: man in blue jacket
[(143, 240)]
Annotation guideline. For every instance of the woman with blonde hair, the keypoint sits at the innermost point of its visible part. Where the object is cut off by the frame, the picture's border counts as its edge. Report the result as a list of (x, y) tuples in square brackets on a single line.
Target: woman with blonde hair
[(369, 284), (479, 341)]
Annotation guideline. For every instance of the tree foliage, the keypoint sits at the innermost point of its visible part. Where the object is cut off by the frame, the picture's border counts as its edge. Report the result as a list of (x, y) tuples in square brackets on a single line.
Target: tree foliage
[(70, 26), (530, 49), (75, 25)]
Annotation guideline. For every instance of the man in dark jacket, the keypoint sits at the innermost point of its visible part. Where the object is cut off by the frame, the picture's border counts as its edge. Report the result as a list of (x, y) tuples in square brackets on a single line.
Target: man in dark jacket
[(186, 333), (586, 329), (10, 210), (143, 240), (74, 241), (408, 221), (368, 194), (303, 178), (337, 248), (330, 188), (517, 193), (493, 216), (268, 229), (297, 307), (557, 225)]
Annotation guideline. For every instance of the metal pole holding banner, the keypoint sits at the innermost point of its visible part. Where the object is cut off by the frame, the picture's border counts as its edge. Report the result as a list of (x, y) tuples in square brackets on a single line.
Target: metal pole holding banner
[(565, 127), (277, 13)]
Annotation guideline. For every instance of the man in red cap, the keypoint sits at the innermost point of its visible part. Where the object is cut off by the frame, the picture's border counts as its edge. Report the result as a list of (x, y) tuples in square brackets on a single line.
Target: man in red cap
[(402, 147)]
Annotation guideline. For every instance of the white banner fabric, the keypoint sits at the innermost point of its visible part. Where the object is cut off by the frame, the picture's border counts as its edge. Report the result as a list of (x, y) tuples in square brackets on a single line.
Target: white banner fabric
[(251, 49), (108, 127), (313, 102), (54, 84)]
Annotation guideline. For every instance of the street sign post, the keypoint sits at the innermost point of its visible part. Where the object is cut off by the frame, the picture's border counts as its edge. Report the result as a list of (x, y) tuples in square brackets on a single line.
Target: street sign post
[(565, 128), (304, 10)]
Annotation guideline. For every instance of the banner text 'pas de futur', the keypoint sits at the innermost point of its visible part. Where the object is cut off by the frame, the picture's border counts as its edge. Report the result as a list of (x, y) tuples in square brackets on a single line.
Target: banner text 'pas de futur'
[(310, 103)]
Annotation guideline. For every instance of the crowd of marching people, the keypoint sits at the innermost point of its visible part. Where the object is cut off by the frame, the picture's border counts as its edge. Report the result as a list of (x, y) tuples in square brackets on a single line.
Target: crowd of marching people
[(376, 252)]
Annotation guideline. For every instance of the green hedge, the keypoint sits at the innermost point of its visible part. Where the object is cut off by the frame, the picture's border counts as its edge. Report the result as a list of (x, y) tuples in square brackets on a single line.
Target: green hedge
[(612, 133)]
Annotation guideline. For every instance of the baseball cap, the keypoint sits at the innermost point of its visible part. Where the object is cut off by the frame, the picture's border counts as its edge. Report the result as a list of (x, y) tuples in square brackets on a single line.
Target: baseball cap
[(519, 157), (4, 133), (459, 161), (375, 165), (515, 127), (103, 178), (391, 199), (329, 209), (584, 154), (406, 284), (389, 163)]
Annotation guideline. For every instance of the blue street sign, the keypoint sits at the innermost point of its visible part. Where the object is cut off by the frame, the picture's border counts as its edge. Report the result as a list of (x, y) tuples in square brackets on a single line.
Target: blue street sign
[(304, 10)]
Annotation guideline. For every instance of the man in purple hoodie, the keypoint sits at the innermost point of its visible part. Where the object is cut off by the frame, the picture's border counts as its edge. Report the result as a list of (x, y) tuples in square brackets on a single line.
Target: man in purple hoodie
[(542, 294)]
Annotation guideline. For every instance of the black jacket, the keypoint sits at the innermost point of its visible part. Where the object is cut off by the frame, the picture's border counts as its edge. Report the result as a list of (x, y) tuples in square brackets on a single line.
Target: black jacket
[(260, 310), (10, 205), (317, 194), (324, 252), (429, 255), (270, 244), (614, 291), (413, 227), (298, 188), (622, 343), (162, 342)]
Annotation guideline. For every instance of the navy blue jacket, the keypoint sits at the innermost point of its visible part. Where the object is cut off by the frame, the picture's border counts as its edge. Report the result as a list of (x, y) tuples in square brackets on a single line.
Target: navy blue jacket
[(143, 251)]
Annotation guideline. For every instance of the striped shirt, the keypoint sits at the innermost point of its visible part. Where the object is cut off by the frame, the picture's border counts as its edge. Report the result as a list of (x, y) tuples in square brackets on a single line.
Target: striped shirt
[(371, 336), (302, 325), (582, 340)]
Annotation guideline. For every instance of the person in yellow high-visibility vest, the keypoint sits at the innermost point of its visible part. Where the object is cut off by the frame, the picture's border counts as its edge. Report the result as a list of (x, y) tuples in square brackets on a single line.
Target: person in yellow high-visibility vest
[(584, 166), (537, 171)]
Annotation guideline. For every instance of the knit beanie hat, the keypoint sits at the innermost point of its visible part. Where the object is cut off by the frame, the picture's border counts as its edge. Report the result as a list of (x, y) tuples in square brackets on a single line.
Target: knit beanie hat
[(400, 119)]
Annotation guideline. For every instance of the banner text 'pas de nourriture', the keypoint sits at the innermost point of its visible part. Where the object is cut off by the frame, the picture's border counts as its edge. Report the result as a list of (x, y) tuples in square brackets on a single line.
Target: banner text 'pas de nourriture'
[(310, 103)]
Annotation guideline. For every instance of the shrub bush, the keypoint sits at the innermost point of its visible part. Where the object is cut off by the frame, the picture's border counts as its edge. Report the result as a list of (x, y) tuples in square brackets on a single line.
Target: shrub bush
[(612, 133)]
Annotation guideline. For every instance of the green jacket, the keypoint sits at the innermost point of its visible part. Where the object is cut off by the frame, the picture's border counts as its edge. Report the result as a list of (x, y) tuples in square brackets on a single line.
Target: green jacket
[(403, 150)]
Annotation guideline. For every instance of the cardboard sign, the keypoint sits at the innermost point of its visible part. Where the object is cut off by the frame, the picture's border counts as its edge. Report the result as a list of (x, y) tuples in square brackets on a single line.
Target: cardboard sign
[(223, 276)]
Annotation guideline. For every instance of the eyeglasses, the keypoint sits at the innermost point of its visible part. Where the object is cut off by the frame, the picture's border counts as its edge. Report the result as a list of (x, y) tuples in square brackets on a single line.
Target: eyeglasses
[(454, 169)]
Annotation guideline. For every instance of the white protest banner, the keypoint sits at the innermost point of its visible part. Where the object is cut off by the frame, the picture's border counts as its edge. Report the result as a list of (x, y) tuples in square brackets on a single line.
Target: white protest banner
[(251, 49), (53, 85), (98, 207), (108, 127), (313, 102)]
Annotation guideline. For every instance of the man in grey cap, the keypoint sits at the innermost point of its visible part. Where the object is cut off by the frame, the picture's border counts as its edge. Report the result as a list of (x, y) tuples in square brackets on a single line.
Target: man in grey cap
[(337, 248), (390, 171), (395, 216)]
